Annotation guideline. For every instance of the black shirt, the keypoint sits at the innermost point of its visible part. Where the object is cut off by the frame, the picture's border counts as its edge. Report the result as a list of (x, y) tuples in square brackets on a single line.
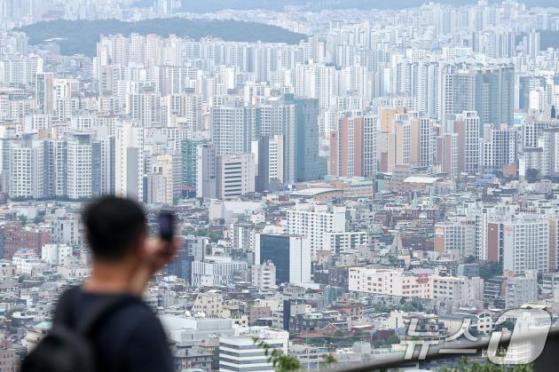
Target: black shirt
[(130, 338)]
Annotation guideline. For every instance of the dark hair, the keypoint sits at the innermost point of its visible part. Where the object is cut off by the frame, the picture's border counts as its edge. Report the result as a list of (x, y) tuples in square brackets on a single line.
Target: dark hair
[(113, 226)]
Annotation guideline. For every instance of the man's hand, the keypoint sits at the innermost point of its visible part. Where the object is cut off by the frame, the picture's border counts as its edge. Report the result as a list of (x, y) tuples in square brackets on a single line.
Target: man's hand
[(158, 253), (155, 255)]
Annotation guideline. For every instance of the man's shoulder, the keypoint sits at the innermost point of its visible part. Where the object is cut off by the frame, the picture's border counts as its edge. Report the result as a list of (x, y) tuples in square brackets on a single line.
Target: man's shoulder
[(125, 310), (135, 312), (134, 324)]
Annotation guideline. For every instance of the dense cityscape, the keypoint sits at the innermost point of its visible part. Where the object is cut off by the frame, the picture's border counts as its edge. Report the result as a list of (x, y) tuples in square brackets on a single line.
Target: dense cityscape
[(367, 170)]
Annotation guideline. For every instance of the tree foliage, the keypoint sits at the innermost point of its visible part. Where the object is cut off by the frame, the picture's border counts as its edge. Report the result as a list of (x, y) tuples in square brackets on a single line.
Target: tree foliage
[(490, 269), (281, 362), (464, 366)]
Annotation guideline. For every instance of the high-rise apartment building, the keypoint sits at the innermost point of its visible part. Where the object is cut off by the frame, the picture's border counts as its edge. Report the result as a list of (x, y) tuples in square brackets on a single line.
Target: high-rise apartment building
[(467, 127), (353, 147), (499, 147), (20, 174), (129, 161), (314, 221), (456, 238), (230, 131), (80, 167), (494, 94), (521, 242), (447, 154), (487, 89)]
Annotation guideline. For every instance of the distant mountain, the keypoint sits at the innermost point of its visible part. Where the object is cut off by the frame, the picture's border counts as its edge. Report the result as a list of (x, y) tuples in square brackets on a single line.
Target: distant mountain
[(214, 5), (81, 37)]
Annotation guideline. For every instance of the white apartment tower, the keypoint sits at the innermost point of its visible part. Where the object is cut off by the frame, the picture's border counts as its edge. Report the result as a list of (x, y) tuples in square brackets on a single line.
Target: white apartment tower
[(129, 162), (229, 131), (315, 221), (79, 166), (161, 185), (20, 172), (526, 244)]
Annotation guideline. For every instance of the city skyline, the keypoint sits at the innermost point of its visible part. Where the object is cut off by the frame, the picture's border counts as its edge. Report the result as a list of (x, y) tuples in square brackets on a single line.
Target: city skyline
[(338, 172)]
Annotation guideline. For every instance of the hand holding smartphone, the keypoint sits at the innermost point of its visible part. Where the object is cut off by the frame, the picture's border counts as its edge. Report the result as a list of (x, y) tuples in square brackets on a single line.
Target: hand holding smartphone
[(166, 221)]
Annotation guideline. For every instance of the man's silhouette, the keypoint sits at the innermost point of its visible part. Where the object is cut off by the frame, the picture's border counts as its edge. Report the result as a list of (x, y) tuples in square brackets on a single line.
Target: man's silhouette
[(131, 337)]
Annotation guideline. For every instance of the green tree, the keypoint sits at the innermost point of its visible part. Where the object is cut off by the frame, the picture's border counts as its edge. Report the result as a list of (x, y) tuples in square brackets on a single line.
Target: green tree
[(490, 269), (329, 359), (215, 359), (393, 340), (281, 362), (464, 366), (532, 175)]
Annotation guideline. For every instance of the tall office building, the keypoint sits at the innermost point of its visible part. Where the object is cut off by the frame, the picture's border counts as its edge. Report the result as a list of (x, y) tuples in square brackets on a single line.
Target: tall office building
[(235, 176), (189, 162), (290, 255), (206, 171), (309, 165)]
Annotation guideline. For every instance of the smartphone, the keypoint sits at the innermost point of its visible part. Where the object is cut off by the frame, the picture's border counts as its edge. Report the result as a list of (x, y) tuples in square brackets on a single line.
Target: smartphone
[(166, 221)]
